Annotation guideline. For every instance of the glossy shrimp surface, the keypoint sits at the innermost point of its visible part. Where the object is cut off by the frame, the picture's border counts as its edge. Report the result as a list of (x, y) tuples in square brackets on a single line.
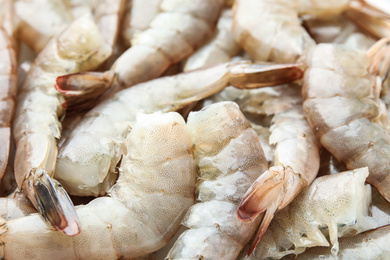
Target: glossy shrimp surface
[(173, 34), (36, 126), (142, 212), (230, 158), (87, 159), (8, 79), (336, 204), (343, 108)]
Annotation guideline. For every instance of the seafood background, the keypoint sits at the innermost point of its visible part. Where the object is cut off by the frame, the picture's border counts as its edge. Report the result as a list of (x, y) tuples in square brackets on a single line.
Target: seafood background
[(200, 42)]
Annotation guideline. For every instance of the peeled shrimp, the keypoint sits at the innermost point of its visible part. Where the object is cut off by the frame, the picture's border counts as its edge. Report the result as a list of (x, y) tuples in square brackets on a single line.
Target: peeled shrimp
[(272, 31), (297, 160), (40, 20), (144, 208), (230, 158), (36, 126), (219, 49), (173, 35), (343, 108), (87, 160), (370, 245), (8, 71), (337, 204)]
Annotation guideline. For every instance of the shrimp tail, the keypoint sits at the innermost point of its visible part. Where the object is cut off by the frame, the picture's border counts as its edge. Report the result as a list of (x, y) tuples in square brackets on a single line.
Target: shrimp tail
[(369, 18), (82, 90), (54, 204), (271, 192)]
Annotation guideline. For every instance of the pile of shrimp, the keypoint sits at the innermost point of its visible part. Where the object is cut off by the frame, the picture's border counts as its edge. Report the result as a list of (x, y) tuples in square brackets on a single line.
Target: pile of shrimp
[(193, 129)]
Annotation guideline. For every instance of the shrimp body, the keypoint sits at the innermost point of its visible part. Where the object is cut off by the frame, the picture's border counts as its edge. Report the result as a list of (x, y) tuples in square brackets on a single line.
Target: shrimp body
[(173, 34), (143, 211), (230, 158), (343, 108), (271, 30), (88, 157), (338, 202), (8, 68), (36, 124), (219, 49)]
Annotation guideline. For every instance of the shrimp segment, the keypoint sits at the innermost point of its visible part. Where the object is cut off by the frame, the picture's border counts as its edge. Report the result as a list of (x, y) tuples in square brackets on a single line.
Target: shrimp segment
[(230, 157), (8, 81), (343, 108), (87, 159), (142, 212), (36, 124), (337, 203)]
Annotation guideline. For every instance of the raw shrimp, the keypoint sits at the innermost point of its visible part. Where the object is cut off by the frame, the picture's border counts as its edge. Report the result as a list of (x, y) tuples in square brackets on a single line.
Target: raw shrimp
[(16, 205), (230, 158), (297, 160), (337, 204), (219, 49), (343, 108), (139, 15), (87, 159), (272, 31), (370, 245), (153, 192), (36, 126), (8, 79), (40, 20), (174, 33)]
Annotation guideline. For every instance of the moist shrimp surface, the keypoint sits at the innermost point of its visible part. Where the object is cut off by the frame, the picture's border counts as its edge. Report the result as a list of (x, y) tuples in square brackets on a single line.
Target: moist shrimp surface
[(8, 80), (36, 126), (343, 108), (338, 203), (230, 158), (88, 157), (142, 212)]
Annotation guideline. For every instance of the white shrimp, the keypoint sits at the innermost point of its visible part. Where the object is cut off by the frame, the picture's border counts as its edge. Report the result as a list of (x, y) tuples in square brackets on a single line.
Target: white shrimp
[(36, 126), (370, 245), (8, 72), (343, 108), (154, 190), (179, 28), (87, 160), (230, 158), (40, 20), (219, 49), (272, 31), (138, 16), (338, 204)]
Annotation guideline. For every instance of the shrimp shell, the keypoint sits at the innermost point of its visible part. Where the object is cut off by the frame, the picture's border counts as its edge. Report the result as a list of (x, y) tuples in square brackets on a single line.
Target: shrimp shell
[(230, 158), (143, 211)]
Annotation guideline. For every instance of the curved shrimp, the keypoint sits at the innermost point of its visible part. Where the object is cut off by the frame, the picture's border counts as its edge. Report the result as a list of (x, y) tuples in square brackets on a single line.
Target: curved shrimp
[(272, 31), (219, 49), (36, 126), (143, 211), (173, 35), (40, 20), (370, 245), (230, 158), (16, 205), (297, 160), (337, 203), (8, 76), (86, 164), (343, 108)]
